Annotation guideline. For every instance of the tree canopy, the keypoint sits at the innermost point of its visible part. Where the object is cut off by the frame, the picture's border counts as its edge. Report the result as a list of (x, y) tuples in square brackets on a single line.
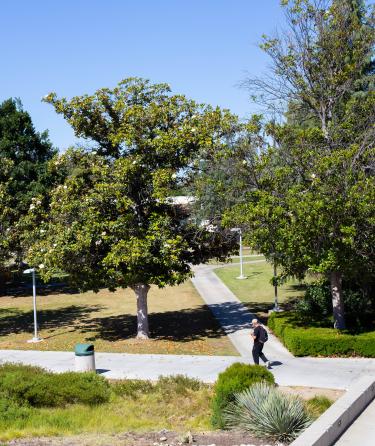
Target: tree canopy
[(112, 223), (312, 206), (24, 154)]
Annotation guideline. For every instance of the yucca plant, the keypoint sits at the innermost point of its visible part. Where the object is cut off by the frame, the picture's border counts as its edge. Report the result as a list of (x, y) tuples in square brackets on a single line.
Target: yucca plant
[(267, 413)]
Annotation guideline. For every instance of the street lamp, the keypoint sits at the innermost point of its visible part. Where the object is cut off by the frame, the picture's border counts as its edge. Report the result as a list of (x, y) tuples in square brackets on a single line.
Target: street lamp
[(241, 276), (35, 338)]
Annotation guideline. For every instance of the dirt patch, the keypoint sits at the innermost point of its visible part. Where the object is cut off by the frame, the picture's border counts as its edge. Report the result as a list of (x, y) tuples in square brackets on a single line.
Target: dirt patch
[(163, 438), (310, 392)]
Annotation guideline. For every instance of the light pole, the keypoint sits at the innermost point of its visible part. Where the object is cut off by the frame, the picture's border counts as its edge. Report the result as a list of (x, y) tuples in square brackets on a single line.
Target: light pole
[(241, 276), (35, 338)]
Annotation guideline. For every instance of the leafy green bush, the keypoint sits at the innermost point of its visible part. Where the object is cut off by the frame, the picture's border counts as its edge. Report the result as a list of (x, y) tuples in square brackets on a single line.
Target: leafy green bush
[(267, 413), (317, 405), (234, 379), (38, 388), (303, 340)]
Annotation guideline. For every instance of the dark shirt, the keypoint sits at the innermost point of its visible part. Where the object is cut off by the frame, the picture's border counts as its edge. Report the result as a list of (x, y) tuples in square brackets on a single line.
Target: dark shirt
[(256, 333)]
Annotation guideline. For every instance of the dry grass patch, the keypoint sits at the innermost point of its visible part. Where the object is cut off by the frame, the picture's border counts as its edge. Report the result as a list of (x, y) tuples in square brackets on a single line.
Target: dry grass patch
[(180, 322)]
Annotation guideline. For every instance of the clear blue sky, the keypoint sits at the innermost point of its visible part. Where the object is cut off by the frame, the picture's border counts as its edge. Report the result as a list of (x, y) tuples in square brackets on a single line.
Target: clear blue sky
[(202, 48)]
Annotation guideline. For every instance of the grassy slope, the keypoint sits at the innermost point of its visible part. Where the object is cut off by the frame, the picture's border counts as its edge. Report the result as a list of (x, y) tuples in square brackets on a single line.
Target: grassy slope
[(180, 322)]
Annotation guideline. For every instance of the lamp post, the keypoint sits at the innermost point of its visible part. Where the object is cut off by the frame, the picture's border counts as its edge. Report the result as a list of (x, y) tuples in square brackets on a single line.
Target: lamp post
[(35, 338), (241, 276)]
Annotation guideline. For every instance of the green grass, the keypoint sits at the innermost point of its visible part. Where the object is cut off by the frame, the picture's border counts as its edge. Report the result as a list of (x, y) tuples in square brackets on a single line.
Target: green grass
[(171, 405), (318, 405), (180, 322), (256, 291)]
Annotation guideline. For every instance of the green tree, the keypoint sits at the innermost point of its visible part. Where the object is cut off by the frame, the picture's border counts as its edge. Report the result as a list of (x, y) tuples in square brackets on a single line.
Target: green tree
[(307, 206), (112, 223), (24, 152)]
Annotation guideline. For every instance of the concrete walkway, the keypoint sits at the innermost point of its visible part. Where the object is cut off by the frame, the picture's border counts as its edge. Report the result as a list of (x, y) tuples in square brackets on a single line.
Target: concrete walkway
[(232, 315), (335, 373)]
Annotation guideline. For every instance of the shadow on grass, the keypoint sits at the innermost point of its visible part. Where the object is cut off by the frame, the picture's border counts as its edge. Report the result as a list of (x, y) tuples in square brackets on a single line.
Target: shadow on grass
[(182, 326), (14, 321), (25, 289), (179, 326)]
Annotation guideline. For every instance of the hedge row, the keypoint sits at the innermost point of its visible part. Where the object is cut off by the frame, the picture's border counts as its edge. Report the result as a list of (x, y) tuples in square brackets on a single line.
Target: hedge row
[(314, 341), (35, 387)]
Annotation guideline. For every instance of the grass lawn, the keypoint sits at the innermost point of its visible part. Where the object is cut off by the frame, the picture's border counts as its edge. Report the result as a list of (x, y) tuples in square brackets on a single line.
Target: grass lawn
[(180, 322), (256, 291)]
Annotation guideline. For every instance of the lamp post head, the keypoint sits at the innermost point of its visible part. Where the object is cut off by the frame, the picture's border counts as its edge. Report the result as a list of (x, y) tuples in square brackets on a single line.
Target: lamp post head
[(29, 271), (236, 230)]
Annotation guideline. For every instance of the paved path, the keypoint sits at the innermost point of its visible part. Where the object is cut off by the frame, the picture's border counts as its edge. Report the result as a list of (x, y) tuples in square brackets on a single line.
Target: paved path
[(311, 372), (232, 315), (332, 373)]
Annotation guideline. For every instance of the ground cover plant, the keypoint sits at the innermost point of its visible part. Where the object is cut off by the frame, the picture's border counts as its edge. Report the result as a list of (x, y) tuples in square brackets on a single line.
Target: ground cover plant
[(180, 323), (234, 379)]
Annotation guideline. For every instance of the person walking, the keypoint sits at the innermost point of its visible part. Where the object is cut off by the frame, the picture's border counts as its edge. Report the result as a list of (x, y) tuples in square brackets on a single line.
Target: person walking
[(260, 336)]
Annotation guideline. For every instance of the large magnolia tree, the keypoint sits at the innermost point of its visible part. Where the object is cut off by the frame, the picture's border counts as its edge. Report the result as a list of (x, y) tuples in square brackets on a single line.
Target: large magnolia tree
[(112, 222)]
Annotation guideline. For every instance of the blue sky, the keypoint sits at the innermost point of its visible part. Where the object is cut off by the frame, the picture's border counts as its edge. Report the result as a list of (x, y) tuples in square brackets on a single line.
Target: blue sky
[(202, 48)]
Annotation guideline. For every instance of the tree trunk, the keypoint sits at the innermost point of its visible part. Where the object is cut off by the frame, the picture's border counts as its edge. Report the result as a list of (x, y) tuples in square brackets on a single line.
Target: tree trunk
[(337, 300), (141, 291)]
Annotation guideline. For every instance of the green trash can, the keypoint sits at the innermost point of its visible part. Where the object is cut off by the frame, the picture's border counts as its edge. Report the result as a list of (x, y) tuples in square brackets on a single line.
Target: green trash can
[(85, 358)]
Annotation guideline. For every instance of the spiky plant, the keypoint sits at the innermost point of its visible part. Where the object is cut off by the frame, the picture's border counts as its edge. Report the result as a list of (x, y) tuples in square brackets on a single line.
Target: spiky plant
[(267, 413)]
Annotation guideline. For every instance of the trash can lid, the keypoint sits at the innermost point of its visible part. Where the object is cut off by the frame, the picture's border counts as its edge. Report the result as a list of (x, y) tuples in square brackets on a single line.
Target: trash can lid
[(84, 349)]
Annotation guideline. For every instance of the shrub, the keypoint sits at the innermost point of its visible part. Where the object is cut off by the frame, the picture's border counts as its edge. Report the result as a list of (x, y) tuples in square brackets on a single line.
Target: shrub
[(132, 388), (317, 405), (234, 379), (303, 340), (11, 411), (266, 412), (178, 384), (38, 388)]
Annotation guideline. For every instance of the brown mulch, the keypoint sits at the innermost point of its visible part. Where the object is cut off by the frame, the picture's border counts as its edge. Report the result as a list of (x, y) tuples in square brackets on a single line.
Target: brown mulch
[(163, 438)]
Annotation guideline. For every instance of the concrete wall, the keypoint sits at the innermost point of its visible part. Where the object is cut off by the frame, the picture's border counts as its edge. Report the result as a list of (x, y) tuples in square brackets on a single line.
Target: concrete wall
[(328, 428)]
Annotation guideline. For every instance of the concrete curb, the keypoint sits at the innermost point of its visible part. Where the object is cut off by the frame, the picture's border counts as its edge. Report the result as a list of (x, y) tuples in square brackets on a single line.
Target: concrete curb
[(333, 423)]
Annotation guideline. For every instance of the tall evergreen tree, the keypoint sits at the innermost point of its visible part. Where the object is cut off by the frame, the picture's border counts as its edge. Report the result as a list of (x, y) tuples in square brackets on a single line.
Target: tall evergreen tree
[(25, 152)]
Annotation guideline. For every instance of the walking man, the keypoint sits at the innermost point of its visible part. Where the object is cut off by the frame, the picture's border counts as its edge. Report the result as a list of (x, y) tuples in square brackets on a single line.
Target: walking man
[(260, 336)]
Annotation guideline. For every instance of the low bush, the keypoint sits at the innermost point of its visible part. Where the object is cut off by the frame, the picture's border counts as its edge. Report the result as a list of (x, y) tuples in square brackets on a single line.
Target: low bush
[(178, 384), (303, 340), (36, 387), (132, 388), (11, 411), (317, 405), (267, 413), (234, 379)]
